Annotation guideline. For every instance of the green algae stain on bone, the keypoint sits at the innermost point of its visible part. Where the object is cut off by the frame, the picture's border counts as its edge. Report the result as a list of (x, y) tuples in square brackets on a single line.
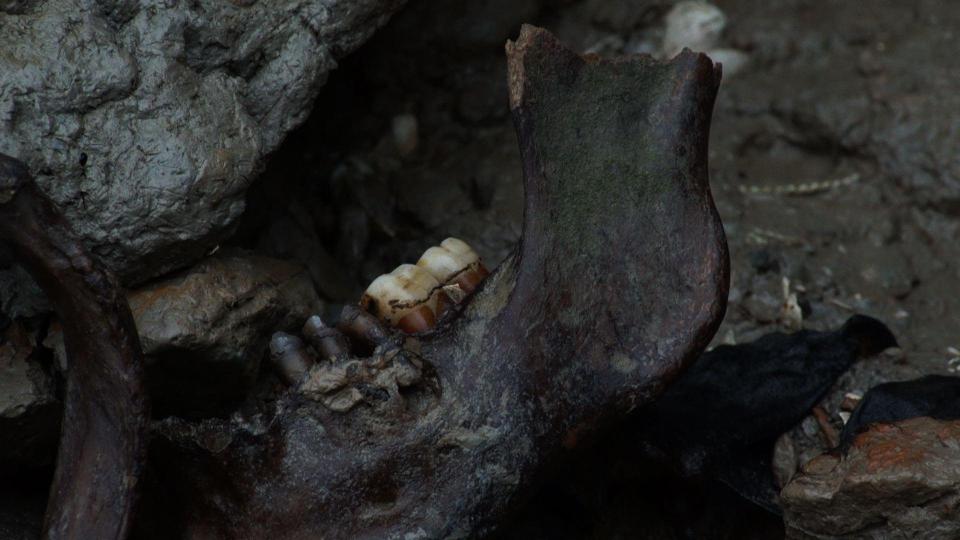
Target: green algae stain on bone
[(611, 181), (599, 148)]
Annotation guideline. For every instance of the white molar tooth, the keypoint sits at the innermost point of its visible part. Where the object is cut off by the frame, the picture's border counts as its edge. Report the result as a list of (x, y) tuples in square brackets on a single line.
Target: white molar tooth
[(441, 264), (416, 281), (380, 292), (461, 249), (448, 259), (404, 288), (413, 296)]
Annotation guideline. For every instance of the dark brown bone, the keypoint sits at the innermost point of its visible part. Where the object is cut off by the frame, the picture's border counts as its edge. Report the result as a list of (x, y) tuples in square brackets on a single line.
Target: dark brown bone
[(103, 435), (620, 279)]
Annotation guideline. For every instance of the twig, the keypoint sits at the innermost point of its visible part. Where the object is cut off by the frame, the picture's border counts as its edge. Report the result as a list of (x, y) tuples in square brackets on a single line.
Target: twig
[(829, 433)]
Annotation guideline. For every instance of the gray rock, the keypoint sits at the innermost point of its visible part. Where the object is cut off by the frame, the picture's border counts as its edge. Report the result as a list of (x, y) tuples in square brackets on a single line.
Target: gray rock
[(147, 121), (694, 24), (784, 459), (29, 410), (897, 481), (20, 296), (204, 332)]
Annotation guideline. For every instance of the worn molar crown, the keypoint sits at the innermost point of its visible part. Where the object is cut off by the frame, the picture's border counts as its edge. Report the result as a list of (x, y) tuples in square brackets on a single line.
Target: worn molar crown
[(454, 262), (441, 263), (405, 298)]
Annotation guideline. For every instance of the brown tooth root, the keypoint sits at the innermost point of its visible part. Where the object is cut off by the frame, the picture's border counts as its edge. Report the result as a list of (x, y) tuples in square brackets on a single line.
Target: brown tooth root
[(289, 356), (419, 319), (405, 294), (363, 329), (454, 262), (470, 279), (328, 342), (450, 297)]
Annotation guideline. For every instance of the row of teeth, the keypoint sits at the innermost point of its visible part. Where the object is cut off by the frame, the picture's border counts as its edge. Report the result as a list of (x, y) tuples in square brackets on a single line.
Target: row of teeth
[(414, 296)]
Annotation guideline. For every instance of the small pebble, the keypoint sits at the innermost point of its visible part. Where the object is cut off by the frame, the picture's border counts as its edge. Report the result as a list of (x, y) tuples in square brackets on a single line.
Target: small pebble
[(405, 133), (694, 24)]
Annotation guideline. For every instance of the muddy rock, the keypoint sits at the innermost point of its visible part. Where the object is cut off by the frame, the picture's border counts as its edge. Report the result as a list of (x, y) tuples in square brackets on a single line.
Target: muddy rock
[(784, 461), (147, 122), (697, 25), (29, 409), (204, 332), (897, 481)]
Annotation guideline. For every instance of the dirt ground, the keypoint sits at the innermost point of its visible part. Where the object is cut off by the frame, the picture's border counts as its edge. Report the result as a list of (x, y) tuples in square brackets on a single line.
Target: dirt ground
[(834, 162)]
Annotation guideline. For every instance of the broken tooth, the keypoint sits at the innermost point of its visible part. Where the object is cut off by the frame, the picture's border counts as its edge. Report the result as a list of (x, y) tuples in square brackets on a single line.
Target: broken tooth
[(289, 357), (405, 298), (329, 342), (454, 262), (363, 330), (454, 293), (461, 248)]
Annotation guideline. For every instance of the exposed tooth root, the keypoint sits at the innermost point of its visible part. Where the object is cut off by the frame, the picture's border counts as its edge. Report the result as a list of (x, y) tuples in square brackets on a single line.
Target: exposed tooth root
[(450, 296), (454, 262), (328, 342), (419, 319), (405, 298), (289, 356), (363, 329), (470, 279)]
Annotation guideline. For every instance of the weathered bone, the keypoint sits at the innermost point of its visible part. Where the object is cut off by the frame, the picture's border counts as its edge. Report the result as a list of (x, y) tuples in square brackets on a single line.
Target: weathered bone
[(103, 435), (620, 279)]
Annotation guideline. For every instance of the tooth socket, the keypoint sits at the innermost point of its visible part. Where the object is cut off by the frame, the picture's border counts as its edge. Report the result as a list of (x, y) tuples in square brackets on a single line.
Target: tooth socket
[(289, 357), (328, 342)]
